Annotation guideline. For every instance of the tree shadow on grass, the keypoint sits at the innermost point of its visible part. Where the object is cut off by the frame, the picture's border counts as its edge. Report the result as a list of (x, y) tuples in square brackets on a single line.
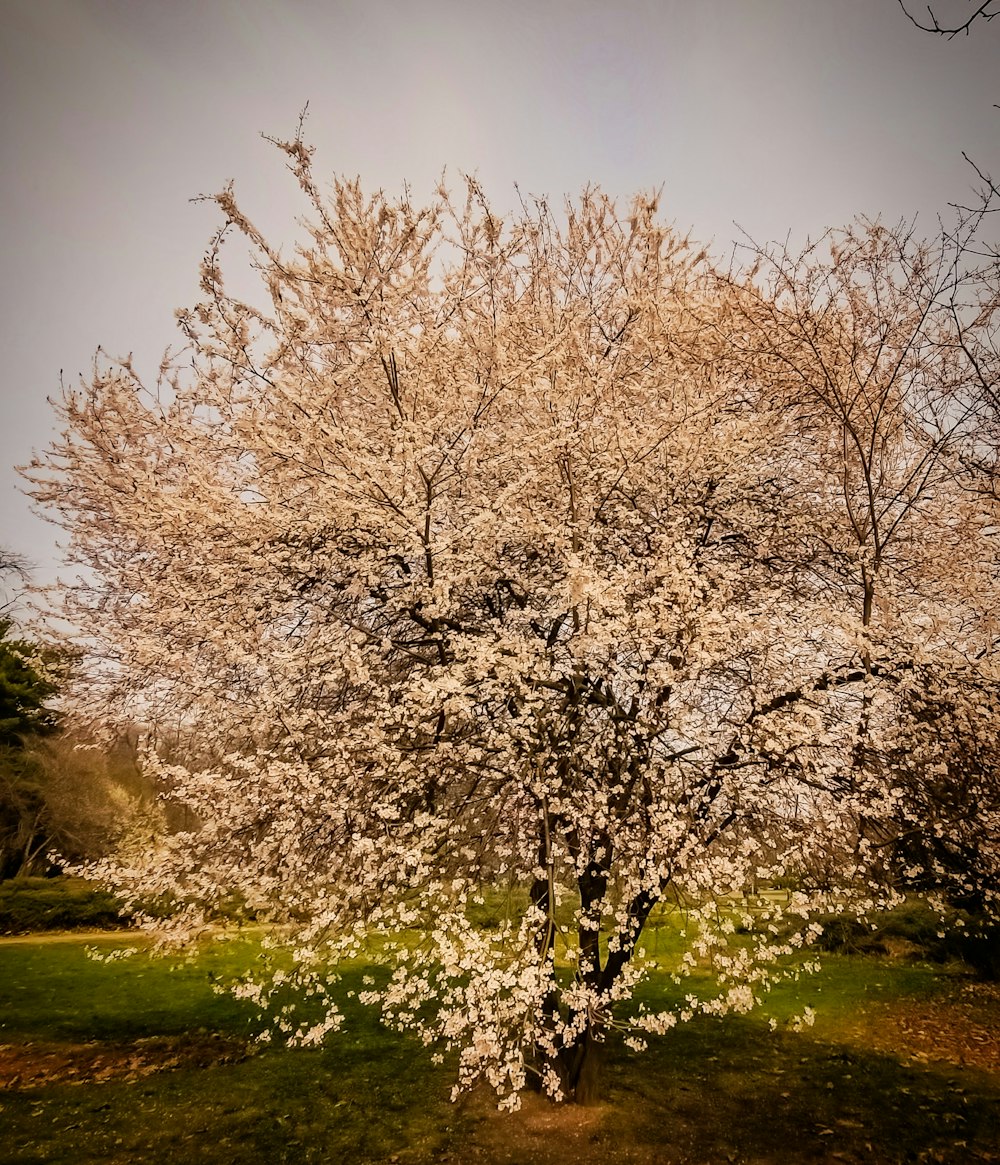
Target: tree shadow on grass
[(711, 1091), (732, 1090)]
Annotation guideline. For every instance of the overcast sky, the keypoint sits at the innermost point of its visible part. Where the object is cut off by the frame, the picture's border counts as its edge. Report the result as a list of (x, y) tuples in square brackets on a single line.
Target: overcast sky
[(777, 115)]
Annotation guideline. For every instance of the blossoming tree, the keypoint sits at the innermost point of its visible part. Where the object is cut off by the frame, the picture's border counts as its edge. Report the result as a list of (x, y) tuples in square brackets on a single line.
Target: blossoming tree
[(504, 556)]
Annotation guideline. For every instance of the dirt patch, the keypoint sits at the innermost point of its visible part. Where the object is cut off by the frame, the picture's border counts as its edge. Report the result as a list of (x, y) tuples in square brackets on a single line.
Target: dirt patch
[(963, 1029), (46, 937), (34, 1065), (542, 1132)]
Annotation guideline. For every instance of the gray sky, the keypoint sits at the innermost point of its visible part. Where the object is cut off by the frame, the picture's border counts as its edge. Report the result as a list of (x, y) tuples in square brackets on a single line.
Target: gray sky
[(778, 115)]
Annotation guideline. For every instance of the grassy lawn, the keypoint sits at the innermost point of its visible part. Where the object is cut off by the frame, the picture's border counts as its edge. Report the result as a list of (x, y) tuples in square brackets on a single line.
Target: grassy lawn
[(134, 1060)]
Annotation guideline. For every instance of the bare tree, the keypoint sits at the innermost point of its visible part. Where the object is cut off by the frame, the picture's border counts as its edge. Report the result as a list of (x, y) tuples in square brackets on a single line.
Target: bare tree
[(13, 570)]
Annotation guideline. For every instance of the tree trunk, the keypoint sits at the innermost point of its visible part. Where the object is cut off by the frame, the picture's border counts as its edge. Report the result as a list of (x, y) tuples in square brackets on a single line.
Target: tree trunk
[(579, 1067), (585, 1072)]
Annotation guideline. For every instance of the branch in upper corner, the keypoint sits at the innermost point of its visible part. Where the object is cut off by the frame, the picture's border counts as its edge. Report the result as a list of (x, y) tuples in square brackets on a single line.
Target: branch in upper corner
[(985, 12)]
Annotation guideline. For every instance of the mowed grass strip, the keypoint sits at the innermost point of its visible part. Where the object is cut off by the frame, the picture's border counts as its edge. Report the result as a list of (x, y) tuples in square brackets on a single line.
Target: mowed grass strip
[(143, 1060)]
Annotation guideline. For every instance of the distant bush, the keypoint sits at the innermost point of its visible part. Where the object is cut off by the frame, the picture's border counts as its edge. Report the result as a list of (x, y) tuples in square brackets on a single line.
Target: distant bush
[(979, 946), (916, 930), (39, 904), (67, 903), (227, 909)]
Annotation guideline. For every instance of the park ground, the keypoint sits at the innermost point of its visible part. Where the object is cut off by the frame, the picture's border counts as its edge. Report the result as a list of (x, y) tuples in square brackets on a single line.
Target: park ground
[(142, 1060)]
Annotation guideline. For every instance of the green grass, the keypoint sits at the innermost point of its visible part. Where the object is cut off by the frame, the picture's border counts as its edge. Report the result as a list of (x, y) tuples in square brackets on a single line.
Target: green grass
[(710, 1091), (54, 990), (369, 1094)]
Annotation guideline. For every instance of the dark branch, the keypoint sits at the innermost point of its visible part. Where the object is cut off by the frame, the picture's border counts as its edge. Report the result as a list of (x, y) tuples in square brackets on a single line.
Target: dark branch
[(984, 12)]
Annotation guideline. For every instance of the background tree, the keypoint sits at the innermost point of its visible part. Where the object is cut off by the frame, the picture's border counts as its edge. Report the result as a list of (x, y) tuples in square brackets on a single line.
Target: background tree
[(25, 689), (62, 797), (887, 345), (484, 554), (26, 685)]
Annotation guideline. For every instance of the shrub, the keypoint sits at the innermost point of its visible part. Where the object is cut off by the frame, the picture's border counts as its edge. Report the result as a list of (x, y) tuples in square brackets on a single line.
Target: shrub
[(918, 930), (38, 904)]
